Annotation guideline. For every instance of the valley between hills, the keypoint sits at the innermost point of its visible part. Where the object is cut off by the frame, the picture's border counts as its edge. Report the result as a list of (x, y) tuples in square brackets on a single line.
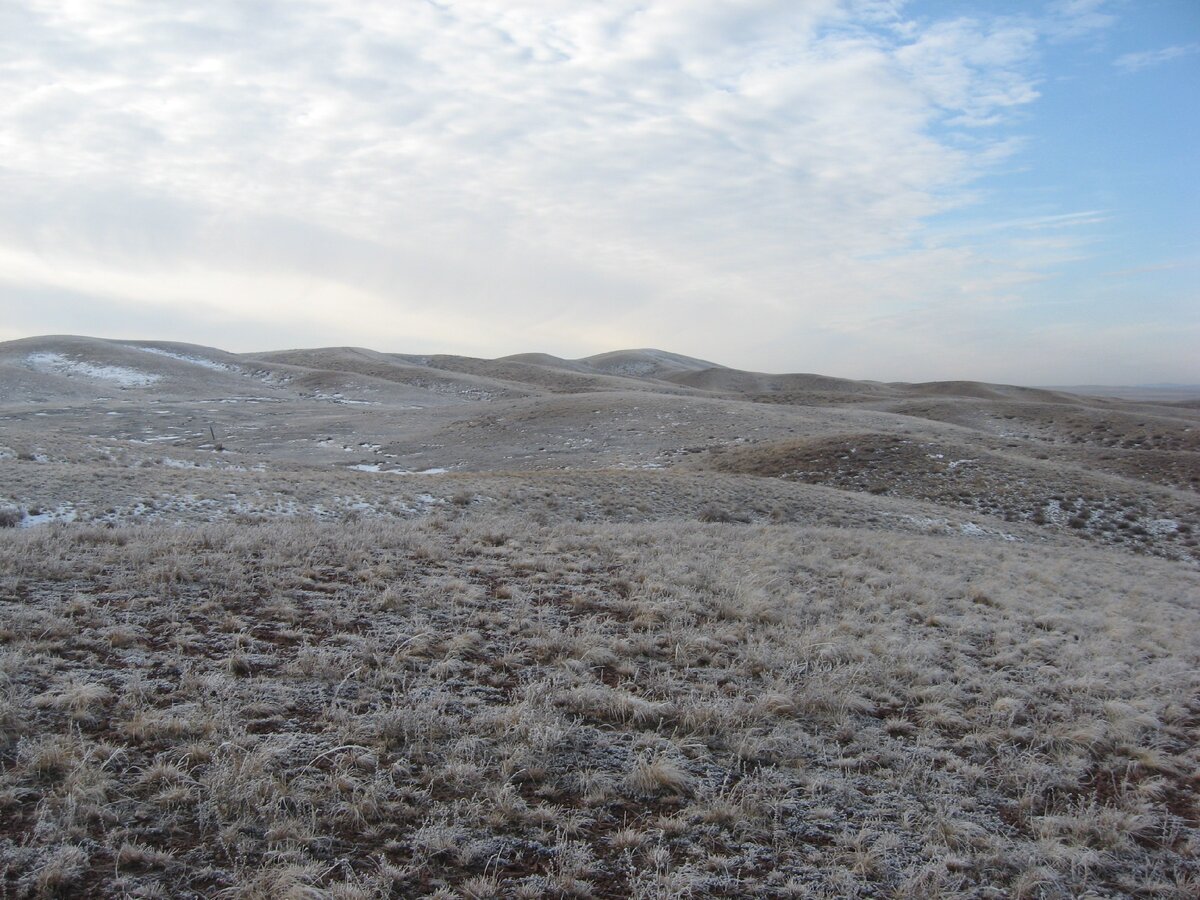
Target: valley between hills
[(345, 623)]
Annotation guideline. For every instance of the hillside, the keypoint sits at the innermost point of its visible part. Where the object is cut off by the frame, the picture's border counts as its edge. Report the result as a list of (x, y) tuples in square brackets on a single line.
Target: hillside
[(340, 622)]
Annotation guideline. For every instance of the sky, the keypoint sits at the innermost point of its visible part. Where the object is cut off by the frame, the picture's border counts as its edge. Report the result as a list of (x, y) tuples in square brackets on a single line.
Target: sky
[(1004, 191)]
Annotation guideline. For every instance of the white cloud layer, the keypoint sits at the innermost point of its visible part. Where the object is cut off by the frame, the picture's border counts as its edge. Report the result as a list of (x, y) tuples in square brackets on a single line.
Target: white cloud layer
[(746, 180), (1145, 59)]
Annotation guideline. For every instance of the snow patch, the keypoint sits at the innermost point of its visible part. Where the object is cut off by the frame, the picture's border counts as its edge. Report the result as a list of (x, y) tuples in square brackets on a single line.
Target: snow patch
[(979, 531), (1054, 513), (266, 376), (926, 522), (1161, 527), (338, 398), (194, 360), (172, 463), (46, 517), (62, 365), (376, 467), (971, 529)]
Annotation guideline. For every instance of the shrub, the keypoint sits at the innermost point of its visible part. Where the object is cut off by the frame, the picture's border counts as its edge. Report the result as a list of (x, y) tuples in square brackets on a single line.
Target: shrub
[(713, 513)]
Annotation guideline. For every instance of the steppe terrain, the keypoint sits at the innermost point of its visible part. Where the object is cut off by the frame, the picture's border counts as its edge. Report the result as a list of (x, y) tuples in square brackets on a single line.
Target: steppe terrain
[(345, 623)]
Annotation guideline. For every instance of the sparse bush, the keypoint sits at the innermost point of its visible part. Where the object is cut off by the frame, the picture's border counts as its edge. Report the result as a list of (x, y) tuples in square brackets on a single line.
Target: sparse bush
[(660, 775), (713, 513), (238, 664)]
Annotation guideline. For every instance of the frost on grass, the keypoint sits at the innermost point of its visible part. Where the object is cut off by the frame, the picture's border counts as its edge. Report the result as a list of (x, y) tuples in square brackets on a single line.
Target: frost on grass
[(487, 706)]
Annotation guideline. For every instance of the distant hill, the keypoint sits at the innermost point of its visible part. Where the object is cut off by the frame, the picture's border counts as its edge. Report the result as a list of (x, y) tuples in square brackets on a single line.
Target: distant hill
[(646, 363), (68, 365), (1154, 393)]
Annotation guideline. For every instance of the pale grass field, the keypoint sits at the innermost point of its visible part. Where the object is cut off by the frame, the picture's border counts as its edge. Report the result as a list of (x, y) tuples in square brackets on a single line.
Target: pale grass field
[(487, 704)]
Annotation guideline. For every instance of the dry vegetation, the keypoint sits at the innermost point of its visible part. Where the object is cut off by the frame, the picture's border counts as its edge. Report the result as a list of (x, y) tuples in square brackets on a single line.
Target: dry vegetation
[(486, 707), (1006, 485), (662, 630)]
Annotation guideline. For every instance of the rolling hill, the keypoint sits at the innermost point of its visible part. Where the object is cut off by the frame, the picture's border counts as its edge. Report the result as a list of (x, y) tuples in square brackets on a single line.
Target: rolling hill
[(340, 622)]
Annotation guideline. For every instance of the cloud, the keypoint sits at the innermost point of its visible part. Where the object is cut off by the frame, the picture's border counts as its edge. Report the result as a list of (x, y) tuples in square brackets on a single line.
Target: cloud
[(1145, 59), (1072, 19), (499, 176)]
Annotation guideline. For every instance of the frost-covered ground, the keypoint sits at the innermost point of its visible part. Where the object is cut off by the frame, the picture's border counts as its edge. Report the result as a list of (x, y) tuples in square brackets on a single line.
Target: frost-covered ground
[(377, 467), (584, 635), (473, 704)]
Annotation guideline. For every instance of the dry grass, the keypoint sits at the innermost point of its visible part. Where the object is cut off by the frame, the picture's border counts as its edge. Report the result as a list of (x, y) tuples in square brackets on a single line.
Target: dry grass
[(1062, 494), (476, 705)]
